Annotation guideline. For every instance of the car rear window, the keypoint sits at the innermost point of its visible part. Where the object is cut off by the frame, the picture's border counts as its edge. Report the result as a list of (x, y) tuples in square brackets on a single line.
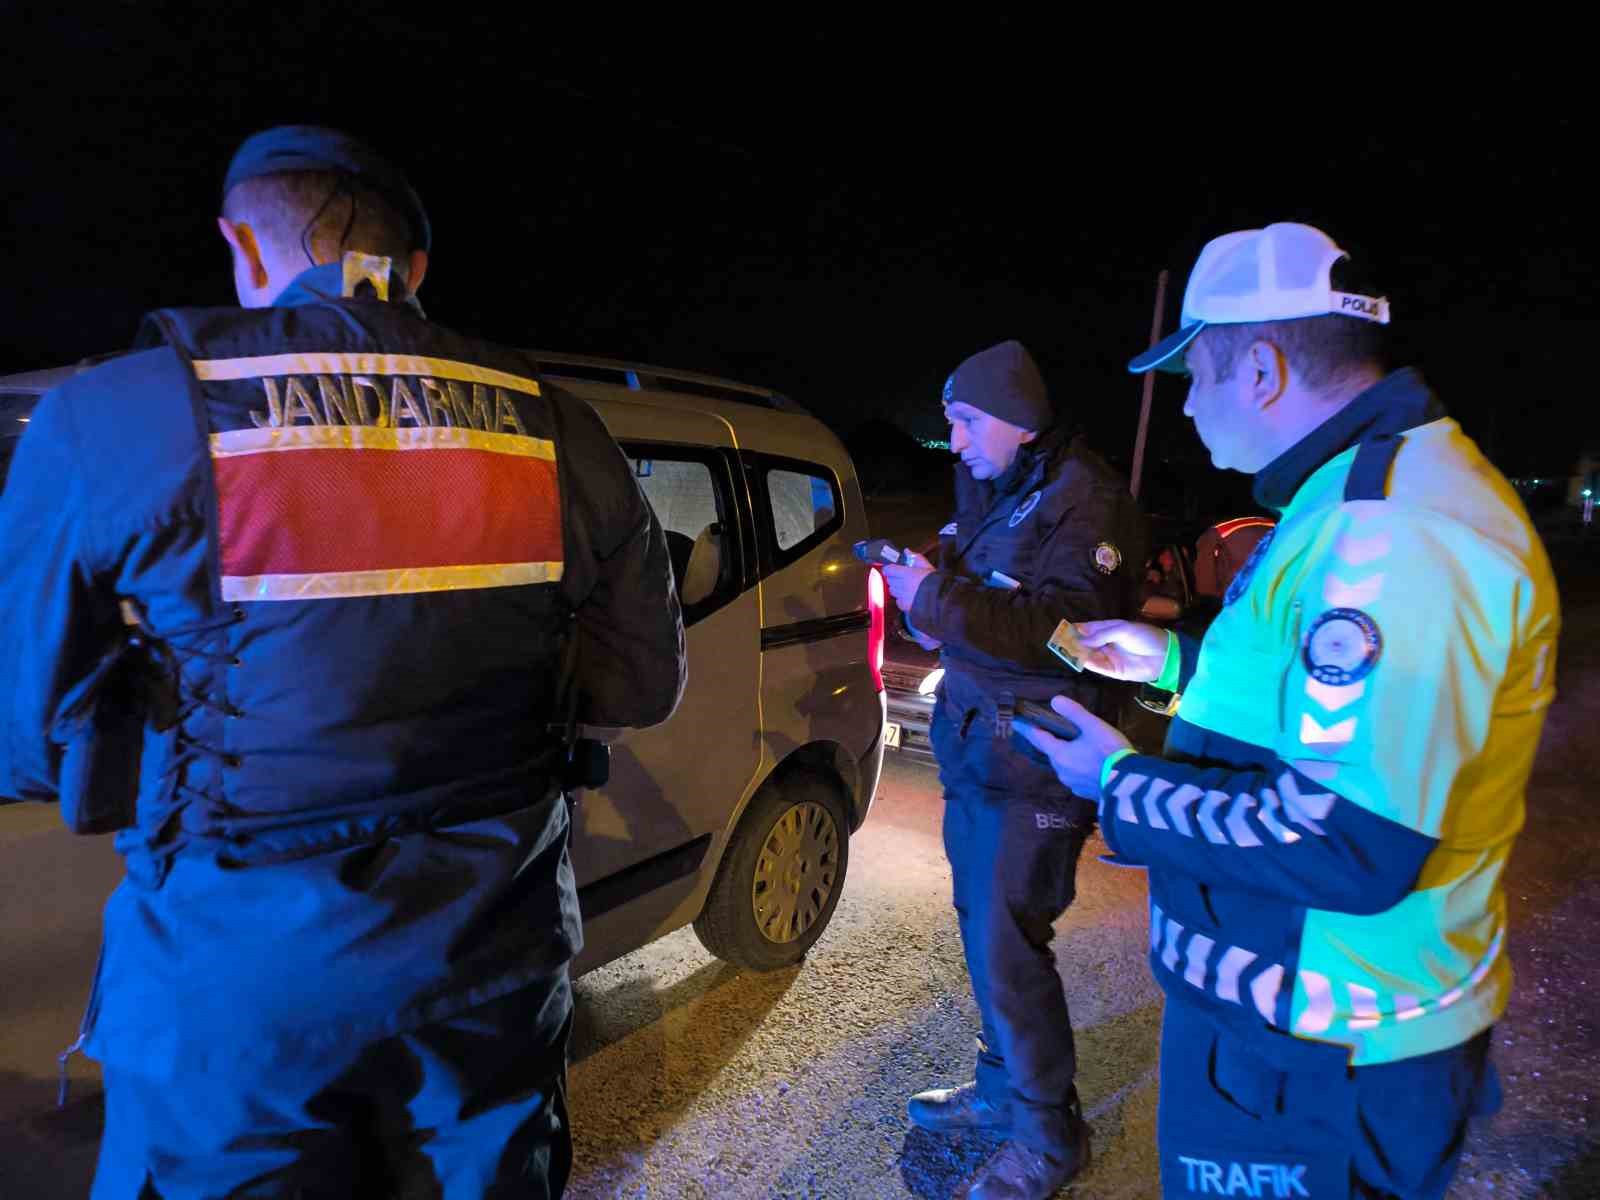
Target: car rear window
[(801, 505), (798, 504)]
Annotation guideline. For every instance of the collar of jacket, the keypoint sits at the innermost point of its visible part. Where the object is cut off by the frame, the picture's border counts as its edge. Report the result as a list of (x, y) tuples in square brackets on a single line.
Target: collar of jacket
[(1395, 403), (1026, 471), (325, 285)]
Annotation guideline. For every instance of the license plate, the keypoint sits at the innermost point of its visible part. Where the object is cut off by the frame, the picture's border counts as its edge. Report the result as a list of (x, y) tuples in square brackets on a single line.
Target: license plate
[(891, 735)]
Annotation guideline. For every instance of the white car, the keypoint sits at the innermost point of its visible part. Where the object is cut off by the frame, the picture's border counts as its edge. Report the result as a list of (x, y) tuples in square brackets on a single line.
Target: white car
[(736, 814)]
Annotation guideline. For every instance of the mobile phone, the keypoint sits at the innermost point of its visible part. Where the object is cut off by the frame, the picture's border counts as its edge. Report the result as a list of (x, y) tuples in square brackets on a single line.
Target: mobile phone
[(879, 551), (1046, 718)]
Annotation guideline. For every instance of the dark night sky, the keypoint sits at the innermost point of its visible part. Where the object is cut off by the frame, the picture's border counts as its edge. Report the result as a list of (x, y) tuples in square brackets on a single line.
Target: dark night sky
[(841, 215)]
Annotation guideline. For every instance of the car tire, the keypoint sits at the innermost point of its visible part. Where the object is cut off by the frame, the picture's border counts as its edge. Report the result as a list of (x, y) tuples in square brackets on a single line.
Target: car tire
[(780, 877)]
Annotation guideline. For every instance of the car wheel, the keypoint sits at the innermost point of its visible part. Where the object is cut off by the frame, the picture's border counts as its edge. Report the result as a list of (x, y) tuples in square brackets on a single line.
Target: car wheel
[(780, 877)]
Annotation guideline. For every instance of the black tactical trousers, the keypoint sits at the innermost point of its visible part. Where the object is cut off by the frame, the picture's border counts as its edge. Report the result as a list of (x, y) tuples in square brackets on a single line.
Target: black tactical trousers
[(1013, 837)]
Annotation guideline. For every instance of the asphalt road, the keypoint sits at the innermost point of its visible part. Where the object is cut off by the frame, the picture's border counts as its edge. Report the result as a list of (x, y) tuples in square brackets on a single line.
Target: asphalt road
[(691, 1078)]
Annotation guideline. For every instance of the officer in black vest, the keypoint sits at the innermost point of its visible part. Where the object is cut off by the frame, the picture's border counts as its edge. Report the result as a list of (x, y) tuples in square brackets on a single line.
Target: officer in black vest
[(1044, 531), (374, 570)]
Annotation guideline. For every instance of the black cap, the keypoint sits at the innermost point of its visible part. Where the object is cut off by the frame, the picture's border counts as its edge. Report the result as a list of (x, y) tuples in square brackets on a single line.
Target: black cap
[(313, 148), (1004, 382)]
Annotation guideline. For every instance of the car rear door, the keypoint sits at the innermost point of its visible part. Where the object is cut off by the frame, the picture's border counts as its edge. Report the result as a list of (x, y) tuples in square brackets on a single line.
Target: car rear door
[(674, 786)]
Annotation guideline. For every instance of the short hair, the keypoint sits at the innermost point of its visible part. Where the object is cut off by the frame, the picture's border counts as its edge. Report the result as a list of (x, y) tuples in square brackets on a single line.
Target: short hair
[(324, 213), (1322, 350)]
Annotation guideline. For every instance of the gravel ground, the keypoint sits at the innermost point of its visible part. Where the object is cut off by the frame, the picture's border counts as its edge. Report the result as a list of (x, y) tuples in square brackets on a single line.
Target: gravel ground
[(694, 1079)]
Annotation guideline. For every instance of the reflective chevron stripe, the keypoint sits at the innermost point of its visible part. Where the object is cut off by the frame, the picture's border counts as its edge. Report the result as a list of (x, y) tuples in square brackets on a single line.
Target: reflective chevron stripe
[(1224, 819)]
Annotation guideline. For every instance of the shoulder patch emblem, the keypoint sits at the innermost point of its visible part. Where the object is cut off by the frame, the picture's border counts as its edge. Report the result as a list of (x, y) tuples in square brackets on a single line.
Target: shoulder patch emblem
[(1342, 646), (1107, 558), (1023, 509), (949, 530)]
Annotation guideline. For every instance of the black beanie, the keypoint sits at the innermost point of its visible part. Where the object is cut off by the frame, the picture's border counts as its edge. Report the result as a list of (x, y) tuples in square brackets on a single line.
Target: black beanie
[(1004, 382)]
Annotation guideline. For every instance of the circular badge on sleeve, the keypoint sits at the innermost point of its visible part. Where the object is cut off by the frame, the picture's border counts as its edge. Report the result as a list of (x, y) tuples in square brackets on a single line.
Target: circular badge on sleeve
[(1107, 558), (1342, 646)]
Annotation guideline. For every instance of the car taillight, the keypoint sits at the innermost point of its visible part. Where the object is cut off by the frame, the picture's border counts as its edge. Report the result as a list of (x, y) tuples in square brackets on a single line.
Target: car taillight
[(875, 625)]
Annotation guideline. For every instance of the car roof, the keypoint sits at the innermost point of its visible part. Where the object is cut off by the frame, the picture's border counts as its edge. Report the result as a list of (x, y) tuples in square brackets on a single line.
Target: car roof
[(762, 419), (618, 372), (36, 382)]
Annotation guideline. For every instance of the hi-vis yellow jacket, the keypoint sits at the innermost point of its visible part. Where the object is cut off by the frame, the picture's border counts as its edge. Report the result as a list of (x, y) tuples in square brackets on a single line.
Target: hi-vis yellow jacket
[(1344, 778)]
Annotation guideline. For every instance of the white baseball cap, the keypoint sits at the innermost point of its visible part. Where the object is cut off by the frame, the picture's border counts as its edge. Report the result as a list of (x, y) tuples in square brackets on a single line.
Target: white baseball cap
[(1274, 274)]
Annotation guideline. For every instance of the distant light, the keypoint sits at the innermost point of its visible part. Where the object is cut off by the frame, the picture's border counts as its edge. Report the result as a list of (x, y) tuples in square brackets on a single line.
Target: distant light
[(935, 443), (1588, 491), (930, 682), (24, 420), (1535, 483)]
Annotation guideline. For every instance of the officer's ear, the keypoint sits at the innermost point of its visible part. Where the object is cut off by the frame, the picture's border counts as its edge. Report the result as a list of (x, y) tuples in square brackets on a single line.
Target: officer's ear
[(248, 266), (1266, 373), (418, 268)]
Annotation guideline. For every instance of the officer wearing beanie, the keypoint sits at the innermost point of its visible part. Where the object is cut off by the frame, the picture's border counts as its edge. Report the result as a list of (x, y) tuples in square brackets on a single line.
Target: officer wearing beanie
[(1043, 531), (377, 569)]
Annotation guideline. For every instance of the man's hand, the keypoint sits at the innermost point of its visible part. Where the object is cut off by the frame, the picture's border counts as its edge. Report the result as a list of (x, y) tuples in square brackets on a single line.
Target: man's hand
[(904, 581), (1124, 649), (1077, 763)]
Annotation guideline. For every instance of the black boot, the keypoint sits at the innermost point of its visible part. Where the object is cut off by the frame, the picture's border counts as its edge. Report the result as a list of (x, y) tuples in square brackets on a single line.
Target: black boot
[(950, 1110), (1019, 1172)]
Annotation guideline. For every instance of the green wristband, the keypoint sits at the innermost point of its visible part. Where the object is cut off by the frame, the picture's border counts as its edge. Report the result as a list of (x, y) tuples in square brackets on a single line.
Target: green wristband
[(1172, 666)]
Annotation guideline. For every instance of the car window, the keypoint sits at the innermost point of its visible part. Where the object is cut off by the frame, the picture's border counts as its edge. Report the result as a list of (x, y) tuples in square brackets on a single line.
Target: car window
[(797, 506), (682, 493), (801, 505), (689, 493)]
